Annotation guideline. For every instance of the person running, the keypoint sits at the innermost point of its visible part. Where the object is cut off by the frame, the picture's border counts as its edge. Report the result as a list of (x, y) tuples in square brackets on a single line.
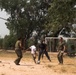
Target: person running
[(18, 50), (43, 50), (61, 49), (33, 52)]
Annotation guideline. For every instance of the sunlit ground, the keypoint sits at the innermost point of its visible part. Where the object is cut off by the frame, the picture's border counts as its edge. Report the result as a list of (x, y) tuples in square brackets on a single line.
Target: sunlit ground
[(51, 68)]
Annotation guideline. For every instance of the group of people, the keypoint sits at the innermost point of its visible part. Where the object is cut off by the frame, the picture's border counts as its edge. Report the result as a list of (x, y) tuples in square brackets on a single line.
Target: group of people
[(42, 48)]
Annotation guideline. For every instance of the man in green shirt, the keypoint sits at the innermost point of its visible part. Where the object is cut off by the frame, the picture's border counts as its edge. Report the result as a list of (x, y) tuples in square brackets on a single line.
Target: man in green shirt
[(18, 50), (61, 49)]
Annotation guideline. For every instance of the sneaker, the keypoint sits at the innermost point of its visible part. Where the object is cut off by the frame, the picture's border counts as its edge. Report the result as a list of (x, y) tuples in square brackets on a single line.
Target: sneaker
[(50, 60), (38, 62), (60, 63), (16, 63)]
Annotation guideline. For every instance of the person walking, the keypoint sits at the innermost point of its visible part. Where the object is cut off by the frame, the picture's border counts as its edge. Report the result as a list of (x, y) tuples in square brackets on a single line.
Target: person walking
[(43, 50), (61, 49), (18, 51)]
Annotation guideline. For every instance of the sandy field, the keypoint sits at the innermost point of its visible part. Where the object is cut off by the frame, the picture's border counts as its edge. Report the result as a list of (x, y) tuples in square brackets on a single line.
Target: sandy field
[(28, 67)]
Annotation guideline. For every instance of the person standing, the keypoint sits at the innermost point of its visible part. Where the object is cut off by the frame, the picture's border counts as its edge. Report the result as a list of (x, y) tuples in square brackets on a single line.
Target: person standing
[(18, 51), (43, 50), (61, 49)]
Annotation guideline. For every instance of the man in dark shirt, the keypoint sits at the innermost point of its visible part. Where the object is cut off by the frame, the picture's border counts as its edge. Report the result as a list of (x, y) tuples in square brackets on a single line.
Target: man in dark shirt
[(43, 50)]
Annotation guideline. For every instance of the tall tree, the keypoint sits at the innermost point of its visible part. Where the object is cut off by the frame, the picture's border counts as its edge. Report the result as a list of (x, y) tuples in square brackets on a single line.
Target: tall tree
[(25, 16), (61, 14)]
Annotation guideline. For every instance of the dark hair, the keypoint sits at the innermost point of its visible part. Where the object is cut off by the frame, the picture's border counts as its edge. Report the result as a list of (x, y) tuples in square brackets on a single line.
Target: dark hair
[(19, 38), (42, 41), (61, 38)]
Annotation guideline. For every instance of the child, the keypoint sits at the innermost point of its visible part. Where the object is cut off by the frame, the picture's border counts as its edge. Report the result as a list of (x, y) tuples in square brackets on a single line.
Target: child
[(33, 52)]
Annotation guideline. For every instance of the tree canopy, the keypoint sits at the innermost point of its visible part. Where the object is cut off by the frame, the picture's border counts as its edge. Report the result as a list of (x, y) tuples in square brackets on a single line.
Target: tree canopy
[(61, 14), (39, 15), (25, 17)]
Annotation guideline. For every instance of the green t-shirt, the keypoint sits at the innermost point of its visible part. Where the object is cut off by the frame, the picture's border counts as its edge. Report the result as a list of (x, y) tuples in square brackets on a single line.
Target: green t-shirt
[(17, 45)]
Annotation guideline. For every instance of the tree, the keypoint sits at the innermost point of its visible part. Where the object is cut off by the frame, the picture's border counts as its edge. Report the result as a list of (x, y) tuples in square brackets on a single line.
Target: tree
[(1, 43), (25, 17), (9, 42), (61, 14)]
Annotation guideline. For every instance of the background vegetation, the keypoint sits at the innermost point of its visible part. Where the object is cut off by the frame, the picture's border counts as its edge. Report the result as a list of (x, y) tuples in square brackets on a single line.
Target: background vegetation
[(45, 17)]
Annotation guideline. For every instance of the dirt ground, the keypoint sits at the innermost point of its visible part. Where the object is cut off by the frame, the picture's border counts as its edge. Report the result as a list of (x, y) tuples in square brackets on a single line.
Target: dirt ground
[(28, 67)]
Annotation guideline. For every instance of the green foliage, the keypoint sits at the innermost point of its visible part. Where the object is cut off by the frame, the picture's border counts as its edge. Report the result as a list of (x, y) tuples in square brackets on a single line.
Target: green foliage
[(60, 14), (30, 42), (9, 42), (25, 17), (1, 42), (71, 42), (71, 47)]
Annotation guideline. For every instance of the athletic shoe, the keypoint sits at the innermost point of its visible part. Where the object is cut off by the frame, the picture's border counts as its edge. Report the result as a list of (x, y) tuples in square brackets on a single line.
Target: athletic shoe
[(16, 63), (38, 62)]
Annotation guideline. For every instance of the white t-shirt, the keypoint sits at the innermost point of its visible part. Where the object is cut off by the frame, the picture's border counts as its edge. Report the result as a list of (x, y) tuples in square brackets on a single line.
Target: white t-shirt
[(33, 49)]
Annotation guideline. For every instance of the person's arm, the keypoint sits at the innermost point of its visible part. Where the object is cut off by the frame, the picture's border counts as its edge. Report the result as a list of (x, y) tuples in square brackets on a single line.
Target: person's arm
[(64, 48), (46, 47), (27, 49), (20, 45), (39, 47)]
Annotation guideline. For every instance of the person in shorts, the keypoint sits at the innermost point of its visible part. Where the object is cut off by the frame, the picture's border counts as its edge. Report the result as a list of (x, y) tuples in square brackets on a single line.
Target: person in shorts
[(33, 52)]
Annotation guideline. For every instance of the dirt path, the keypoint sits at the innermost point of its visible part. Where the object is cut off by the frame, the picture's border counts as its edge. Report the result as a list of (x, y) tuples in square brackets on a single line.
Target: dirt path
[(28, 67)]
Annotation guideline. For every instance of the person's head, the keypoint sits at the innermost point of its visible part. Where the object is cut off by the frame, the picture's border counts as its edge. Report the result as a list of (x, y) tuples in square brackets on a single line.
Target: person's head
[(42, 41), (19, 38), (61, 39)]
